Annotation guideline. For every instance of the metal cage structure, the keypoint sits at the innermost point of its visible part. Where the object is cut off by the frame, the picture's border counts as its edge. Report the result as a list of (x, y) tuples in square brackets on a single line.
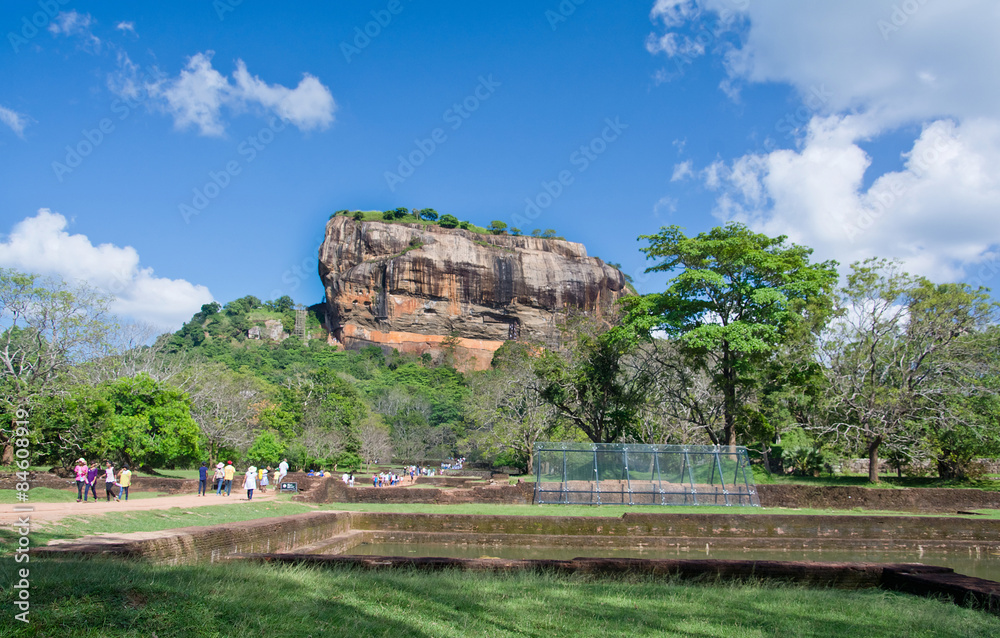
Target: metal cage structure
[(634, 474)]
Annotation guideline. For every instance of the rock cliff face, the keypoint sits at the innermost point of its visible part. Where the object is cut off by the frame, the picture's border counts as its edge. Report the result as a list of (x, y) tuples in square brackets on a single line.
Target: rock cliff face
[(411, 286)]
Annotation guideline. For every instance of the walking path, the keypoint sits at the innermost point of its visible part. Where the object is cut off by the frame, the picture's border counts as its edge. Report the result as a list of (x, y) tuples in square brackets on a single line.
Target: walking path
[(48, 512)]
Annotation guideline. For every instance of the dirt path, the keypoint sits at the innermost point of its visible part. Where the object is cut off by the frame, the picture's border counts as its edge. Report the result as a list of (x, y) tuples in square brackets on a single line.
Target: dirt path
[(48, 512)]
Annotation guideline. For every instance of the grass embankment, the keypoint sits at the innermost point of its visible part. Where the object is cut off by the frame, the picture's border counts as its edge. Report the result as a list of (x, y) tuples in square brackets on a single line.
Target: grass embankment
[(110, 599), (152, 521), (157, 520), (885, 482)]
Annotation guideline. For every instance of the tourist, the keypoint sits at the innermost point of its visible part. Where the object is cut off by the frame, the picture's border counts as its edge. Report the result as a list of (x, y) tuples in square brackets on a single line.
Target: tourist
[(228, 475), (344, 478), (263, 480), (350, 480), (124, 481), (91, 486), (282, 470), (202, 479), (219, 477), (250, 482), (81, 478), (374, 480), (109, 482)]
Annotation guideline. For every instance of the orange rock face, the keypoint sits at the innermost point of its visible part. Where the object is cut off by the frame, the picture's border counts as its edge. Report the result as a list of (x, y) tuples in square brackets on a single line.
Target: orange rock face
[(409, 286)]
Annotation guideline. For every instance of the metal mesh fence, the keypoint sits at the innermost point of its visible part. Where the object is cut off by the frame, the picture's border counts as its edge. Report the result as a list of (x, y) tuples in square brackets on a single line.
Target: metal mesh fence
[(632, 474)]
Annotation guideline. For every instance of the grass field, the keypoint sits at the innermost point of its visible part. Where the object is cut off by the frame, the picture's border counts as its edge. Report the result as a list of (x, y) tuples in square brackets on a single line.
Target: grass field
[(68, 495), (103, 598)]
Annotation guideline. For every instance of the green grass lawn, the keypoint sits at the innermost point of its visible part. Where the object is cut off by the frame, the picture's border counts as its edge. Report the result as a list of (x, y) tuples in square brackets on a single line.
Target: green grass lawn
[(153, 521), (103, 598), (68, 495)]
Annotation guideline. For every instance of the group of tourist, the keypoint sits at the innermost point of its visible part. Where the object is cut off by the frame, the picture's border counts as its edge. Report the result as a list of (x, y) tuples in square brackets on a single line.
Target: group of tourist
[(222, 479), (116, 485)]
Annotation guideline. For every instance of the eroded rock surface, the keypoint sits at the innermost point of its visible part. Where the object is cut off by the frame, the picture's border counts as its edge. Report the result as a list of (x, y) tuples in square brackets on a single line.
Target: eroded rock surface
[(410, 286)]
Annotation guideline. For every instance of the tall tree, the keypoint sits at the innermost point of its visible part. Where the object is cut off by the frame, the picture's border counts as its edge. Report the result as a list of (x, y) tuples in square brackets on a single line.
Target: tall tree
[(897, 355), (48, 326), (598, 380), (731, 303), (506, 404)]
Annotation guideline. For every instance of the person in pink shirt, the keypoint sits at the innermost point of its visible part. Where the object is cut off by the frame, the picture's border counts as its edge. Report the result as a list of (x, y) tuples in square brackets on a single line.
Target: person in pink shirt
[(80, 471)]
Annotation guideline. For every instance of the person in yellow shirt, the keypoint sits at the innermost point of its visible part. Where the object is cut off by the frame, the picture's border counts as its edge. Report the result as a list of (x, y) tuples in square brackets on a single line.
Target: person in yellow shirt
[(228, 475), (124, 482)]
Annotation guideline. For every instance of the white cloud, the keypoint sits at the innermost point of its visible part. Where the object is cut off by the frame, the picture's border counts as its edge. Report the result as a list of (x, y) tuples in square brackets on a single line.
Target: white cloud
[(127, 27), (309, 105), (665, 205), (682, 171), (72, 23), (901, 61), (40, 244), (197, 96), (937, 214), (862, 69), (16, 121)]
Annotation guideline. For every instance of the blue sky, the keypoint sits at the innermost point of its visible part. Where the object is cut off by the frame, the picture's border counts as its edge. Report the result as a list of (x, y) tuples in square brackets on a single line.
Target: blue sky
[(182, 152)]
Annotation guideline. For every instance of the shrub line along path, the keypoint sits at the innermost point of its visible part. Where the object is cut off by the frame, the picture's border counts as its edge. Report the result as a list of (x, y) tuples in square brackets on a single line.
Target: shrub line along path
[(49, 512)]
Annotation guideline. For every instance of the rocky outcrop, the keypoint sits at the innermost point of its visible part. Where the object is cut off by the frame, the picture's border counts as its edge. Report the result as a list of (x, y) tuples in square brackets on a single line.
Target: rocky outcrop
[(411, 286)]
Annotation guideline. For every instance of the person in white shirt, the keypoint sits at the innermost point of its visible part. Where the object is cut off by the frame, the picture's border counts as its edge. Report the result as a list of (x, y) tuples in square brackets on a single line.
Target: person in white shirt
[(282, 470), (250, 482)]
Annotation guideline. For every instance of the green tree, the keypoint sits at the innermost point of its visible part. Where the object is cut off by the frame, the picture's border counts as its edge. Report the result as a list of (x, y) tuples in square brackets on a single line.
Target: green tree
[(50, 326), (448, 221), (428, 214), (899, 353), (506, 406), (598, 380), (151, 424), (497, 227), (732, 303), (266, 450), (282, 304)]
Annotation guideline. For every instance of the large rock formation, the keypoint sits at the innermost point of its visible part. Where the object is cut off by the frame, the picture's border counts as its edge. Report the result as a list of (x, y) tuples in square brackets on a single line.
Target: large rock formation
[(410, 286)]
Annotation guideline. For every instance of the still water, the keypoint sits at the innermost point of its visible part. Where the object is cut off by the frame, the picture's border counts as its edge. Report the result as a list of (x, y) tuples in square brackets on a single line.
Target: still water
[(985, 565)]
